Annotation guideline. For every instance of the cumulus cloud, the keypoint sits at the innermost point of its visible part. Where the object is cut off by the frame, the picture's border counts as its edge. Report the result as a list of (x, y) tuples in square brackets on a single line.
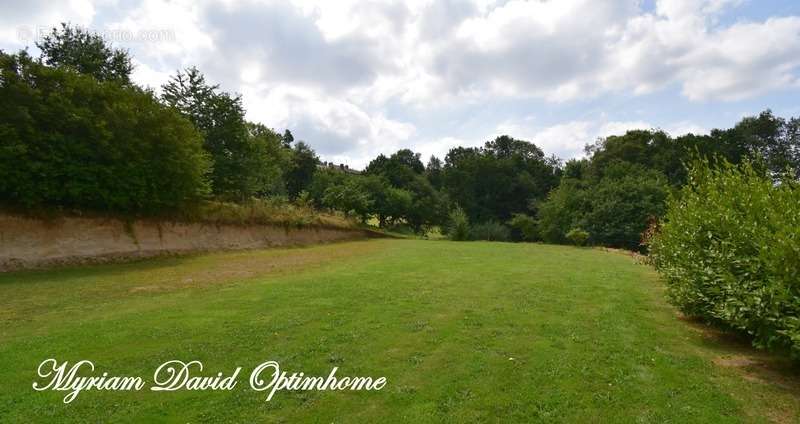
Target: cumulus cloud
[(21, 22), (356, 78), (338, 129), (567, 140)]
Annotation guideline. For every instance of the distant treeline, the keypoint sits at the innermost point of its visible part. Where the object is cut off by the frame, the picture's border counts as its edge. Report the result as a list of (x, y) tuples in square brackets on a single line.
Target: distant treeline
[(77, 133)]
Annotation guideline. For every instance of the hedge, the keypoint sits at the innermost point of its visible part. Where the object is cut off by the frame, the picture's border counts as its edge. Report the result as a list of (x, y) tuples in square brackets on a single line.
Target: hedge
[(71, 141), (729, 249)]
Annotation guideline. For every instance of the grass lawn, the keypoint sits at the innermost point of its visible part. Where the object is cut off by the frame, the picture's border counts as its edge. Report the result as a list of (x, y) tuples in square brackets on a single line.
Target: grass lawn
[(463, 332)]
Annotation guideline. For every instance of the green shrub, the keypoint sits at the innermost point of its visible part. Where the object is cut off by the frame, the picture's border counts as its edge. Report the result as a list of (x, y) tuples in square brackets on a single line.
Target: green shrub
[(524, 226), (577, 236), (491, 231), (458, 225), (729, 250), (71, 141)]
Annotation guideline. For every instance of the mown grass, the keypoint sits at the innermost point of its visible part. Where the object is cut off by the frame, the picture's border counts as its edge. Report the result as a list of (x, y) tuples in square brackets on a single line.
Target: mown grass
[(464, 332)]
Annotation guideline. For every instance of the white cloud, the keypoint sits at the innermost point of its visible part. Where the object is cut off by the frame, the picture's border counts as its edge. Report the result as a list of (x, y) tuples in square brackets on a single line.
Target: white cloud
[(22, 22), (357, 78), (568, 140), (339, 130)]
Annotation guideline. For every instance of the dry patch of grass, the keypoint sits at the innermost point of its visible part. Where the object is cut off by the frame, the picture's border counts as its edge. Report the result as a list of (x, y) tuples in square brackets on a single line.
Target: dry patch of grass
[(29, 295)]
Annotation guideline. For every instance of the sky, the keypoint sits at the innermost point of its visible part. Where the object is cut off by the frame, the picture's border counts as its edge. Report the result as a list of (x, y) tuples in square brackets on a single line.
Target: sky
[(357, 78)]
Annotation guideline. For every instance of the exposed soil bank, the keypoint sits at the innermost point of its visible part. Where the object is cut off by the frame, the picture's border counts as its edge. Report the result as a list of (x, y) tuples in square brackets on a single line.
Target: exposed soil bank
[(32, 243)]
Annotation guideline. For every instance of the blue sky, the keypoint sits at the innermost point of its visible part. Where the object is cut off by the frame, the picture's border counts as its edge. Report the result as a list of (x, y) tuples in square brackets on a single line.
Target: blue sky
[(358, 78)]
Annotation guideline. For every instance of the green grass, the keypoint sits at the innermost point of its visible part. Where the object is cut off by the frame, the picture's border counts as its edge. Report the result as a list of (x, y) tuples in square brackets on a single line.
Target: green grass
[(464, 332)]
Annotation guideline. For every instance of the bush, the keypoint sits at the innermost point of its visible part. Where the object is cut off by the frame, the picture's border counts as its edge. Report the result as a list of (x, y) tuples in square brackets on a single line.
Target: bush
[(491, 231), (577, 236), (729, 250), (458, 225), (71, 141), (524, 226)]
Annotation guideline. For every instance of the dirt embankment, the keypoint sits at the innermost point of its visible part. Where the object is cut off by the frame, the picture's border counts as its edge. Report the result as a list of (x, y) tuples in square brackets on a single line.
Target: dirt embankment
[(33, 243)]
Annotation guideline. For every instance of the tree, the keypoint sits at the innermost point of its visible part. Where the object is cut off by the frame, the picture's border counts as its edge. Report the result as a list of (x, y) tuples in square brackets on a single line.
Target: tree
[(767, 137), (615, 210), (244, 161), (396, 204), (433, 171), (400, 169), (302, 166), (504, 177), (72, 141), (387, 206), (85, 52), (563, 209), (269, 158), (321, 181), (349, 198), (287, 138), (651, 149), (428, 205)]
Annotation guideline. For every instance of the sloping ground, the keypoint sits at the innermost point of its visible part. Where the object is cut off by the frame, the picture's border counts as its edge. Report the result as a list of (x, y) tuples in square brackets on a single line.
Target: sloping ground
[(33, 242), (463, 332)]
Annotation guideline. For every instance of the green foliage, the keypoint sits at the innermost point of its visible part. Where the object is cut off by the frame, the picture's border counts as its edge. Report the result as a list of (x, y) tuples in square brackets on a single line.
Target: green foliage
[(301, 170), (269, 161), (75, 48), (729, 250), (651, 150), (458, 225), (433, 172), (563, 209), (350, 198), (428, 206), (524, 227), (615, 209), (577, 236), (419, 203), (502, 178), (490, 230), (72, 141), (321, 181), (400, 169), (773, 140), (247, 160), (622, 204), (395, 203)]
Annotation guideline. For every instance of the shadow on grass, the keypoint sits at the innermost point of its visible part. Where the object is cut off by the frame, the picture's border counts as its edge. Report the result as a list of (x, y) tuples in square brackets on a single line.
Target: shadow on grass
[(735, 350), (111, 268)]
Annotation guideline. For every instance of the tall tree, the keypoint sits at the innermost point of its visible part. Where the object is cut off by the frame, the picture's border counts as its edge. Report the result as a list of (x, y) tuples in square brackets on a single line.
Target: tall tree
[(502, 178), (302, 167), (86, 52), (433, 171), (287, 138), (401, 168), (241, 160)]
